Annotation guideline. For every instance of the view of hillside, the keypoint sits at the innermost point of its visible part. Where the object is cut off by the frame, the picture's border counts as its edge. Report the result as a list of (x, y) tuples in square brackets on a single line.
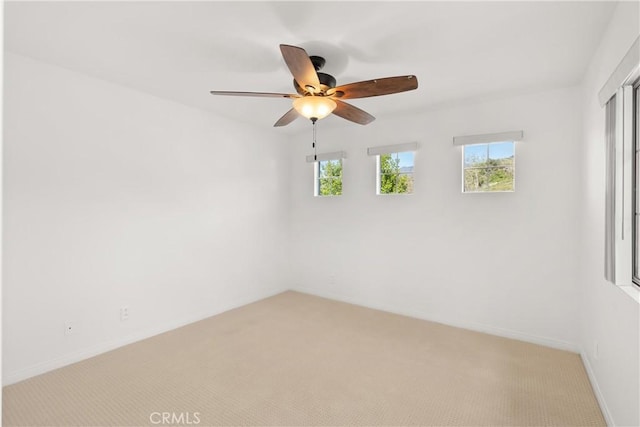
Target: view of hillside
[(489, 175)]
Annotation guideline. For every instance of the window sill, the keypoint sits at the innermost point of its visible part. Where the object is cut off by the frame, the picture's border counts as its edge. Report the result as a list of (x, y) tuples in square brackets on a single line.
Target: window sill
[(488, 192), (632, 291)]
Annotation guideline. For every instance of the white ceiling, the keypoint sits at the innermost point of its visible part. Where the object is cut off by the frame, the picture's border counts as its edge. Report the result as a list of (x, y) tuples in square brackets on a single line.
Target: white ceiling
[(459, 51)]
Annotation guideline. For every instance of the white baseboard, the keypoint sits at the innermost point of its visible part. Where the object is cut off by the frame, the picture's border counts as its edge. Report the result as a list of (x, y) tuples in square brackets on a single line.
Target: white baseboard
[(596, 389), (67, 359), (49, 365), (478, 327)]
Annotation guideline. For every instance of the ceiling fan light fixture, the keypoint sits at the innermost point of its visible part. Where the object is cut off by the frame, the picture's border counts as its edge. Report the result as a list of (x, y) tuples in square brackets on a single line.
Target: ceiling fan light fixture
[(314, 107)]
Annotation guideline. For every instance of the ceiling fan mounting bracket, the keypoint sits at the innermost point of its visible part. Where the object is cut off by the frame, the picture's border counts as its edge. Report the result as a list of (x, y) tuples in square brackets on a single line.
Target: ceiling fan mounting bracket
[(318, 62)]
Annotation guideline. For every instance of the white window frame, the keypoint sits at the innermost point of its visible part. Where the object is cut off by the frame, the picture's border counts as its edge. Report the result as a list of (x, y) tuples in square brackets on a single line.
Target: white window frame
[(635, 278), (316, 159), (621, 84), (625, 232), (624, 187), (379, 180), (513, 166), (489, 138), (316, 175), (392, 149)]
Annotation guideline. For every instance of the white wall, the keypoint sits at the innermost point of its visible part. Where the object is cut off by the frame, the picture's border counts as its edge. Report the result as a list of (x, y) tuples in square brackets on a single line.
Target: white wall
[(609, 316), (114, 197), (502, 263), (1, 185)]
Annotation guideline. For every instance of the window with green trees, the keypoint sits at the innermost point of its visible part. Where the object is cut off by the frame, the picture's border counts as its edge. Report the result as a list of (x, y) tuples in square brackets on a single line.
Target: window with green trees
[(395, 173), (489, 167), (329, 178)]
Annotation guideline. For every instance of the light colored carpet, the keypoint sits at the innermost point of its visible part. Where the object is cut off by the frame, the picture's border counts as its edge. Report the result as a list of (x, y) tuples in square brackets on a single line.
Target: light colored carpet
[(296, 359)]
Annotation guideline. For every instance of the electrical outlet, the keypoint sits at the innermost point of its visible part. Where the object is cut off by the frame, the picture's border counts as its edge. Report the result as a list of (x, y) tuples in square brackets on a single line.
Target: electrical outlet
[(68, 328), (332, 279), (596, 351), (124, 313)]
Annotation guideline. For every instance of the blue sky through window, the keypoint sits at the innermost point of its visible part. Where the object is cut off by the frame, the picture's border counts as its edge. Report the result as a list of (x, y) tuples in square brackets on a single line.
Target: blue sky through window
[(501, 150), (475, 154), (406, 160), (478, 153)]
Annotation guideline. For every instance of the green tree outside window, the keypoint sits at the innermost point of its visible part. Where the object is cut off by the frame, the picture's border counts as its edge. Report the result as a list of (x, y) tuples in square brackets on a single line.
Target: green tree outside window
[(330, 178), (489, 167), (394, 177)]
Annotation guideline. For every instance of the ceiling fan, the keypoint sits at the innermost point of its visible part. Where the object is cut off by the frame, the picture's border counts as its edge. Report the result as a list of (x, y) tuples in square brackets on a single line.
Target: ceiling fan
[(317, 94)]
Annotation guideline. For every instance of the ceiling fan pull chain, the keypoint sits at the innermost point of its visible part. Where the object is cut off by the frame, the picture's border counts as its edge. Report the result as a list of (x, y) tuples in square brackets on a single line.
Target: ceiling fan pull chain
[(313, 144)]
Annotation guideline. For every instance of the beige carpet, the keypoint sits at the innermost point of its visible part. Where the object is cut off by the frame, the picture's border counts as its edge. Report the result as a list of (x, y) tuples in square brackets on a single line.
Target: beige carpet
[(295, 359)]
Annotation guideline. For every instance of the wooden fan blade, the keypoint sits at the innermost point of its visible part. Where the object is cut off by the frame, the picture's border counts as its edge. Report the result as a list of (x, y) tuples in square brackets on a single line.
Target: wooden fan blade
[(258, 94), (289, 116), (351, 113), (301, 67), (376, 87)]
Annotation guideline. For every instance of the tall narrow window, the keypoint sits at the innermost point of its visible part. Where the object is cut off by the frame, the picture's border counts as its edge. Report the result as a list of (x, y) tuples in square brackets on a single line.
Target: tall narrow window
[(329, 178), (327, 173), (610, 193), (636, 189), (620, 96), (489, 167)]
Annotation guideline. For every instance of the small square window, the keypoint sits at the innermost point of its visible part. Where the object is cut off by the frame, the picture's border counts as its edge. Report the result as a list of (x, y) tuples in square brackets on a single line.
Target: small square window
[(395, 173), (489, 167), (328, 178)]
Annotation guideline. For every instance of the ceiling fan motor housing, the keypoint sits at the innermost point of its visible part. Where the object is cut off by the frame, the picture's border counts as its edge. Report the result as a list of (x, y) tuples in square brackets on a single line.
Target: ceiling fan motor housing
[(327, 81)]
